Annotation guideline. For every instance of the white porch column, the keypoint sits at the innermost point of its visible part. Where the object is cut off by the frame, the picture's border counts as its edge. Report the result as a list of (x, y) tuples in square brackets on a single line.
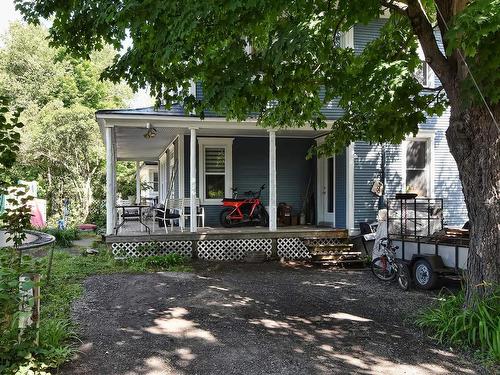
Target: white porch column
[(137, 182), (113, 174), (192, 190), (110, 188), (272, 181), (350, 188)]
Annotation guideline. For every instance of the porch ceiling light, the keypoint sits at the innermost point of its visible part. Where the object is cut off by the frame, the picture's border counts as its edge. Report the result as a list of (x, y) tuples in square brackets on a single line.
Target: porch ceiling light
[(151, 132)]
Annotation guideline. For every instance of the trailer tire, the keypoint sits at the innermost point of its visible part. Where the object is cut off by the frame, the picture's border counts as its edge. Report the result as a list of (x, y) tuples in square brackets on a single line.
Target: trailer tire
[(424, 275)]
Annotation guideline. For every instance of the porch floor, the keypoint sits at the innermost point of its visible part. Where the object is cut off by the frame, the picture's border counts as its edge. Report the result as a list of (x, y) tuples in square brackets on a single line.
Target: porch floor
[(131, 232)]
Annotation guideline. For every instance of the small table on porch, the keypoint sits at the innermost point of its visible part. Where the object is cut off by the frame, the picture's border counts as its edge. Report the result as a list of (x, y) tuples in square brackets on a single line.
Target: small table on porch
[(130, 216)]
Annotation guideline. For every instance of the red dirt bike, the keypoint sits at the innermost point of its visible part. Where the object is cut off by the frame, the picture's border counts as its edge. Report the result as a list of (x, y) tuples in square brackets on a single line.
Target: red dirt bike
[(244, 211)]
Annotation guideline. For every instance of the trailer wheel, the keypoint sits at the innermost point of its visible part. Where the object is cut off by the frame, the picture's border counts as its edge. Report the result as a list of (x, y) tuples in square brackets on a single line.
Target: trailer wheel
[(424, 275)]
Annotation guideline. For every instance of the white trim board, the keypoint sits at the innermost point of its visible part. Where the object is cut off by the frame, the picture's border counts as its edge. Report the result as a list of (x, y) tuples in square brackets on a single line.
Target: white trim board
[(350, 188), (425, 135), (227, 144)]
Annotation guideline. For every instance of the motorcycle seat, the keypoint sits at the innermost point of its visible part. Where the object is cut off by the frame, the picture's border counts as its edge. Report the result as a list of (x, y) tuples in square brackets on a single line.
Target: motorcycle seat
[(233, 199)]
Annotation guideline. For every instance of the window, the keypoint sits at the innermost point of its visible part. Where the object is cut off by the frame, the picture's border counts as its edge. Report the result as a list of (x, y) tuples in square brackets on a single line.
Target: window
[(215, 169), (418, 166), (155, 181)]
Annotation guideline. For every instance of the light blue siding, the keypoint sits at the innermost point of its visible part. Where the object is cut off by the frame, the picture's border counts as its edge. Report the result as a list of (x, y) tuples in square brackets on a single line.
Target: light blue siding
[(364, 34), (366, 168), (340, 190), (446, 177), (251, 170), (446, 182)]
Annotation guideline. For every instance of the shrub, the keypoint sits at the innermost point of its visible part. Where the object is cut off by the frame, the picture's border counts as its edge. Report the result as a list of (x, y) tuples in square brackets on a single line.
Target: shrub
[(476, 328), (64, 237)]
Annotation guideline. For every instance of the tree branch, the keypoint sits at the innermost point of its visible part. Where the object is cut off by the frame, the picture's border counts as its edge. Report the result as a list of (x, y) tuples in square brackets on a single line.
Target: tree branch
[(425, 34), (397, 7)]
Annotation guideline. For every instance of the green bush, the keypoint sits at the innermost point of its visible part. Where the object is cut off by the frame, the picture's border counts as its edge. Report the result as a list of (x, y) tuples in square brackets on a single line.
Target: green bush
[(64, 237), (475, 328)]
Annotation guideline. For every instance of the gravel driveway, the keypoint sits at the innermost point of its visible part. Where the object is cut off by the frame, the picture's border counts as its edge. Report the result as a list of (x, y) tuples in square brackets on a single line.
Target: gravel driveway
[(268, 318)]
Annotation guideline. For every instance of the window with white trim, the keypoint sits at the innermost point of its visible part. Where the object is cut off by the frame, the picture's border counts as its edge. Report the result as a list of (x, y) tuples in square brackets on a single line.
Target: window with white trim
[(418, 166), (215, 169)]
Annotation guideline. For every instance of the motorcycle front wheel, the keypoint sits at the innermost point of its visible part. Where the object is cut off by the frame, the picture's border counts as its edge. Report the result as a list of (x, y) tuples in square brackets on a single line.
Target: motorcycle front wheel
[(225, 219)]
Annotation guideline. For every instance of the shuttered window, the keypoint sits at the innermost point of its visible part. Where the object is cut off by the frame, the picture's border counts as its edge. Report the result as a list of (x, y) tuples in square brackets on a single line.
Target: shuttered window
[(215, 172), (215, 169)]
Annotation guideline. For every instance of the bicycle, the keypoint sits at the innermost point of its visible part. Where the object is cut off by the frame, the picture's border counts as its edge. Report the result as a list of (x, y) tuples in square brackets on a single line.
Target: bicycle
[(386, 267), (244, 211)]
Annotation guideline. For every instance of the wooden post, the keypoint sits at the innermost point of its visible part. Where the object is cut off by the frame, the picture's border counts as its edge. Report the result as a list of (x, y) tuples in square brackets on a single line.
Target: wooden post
[(35, 317), (110, 203), (272, 181), (192, 170)]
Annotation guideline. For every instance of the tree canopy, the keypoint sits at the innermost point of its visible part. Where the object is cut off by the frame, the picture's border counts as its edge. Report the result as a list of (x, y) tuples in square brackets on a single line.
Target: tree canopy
[(293, 52), (61, 146)]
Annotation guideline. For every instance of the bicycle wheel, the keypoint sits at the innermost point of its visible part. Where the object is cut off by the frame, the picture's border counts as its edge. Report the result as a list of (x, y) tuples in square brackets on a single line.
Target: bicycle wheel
[(382, 269), (224, 218), (404, 278), (264, 217)]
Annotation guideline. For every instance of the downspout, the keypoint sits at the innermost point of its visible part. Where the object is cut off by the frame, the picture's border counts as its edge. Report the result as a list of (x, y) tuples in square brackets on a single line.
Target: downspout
[(381, 199)]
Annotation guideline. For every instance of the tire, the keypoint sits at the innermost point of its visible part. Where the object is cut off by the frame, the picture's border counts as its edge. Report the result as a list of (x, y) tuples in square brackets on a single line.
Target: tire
[(424, 275), (264, 217), (378, 269), (223, 218), (404, 277)]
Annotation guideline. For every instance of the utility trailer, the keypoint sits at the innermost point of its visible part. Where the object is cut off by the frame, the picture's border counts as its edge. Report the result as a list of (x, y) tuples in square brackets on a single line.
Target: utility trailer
[(429, 249)]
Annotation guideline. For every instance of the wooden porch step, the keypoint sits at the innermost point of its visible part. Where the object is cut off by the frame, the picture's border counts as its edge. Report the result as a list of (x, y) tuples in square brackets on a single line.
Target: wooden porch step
[(335, 257), (351, 262), (332, 246), (337, 253)]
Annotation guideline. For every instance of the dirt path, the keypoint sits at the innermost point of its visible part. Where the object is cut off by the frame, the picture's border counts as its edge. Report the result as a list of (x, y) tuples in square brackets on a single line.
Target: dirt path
[(255, 319)]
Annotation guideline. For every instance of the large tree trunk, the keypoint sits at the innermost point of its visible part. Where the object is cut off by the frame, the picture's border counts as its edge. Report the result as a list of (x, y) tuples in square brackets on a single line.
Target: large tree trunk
[(474, 142)]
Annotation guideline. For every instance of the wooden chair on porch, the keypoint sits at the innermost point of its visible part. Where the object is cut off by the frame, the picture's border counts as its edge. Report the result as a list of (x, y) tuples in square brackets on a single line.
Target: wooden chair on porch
[(169, 212)]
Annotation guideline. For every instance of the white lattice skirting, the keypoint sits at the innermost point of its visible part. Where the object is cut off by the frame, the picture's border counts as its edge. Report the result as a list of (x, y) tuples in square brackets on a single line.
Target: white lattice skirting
[(144, 249), (294, 248), (287, 248), (232, 249)]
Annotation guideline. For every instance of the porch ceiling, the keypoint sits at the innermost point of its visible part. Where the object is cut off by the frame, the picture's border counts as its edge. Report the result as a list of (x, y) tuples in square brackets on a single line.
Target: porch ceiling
[(131, 144)]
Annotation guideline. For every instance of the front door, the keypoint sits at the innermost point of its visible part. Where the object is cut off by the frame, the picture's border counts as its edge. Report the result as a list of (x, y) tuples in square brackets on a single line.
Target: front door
[(326, 191)]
